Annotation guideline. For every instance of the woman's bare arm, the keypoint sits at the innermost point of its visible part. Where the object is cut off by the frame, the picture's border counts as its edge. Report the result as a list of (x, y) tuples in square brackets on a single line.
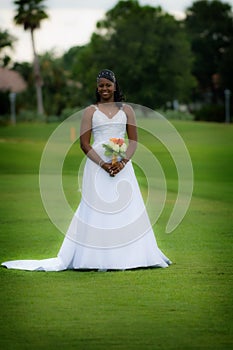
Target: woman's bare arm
[(131, 129), (85, 139)]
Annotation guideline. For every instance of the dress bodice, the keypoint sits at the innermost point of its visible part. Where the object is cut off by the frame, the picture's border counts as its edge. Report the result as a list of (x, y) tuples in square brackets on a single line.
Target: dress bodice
[(104, 128)]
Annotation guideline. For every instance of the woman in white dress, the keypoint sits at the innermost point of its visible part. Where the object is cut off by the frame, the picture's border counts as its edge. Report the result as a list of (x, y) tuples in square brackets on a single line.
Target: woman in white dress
[(110, 230)]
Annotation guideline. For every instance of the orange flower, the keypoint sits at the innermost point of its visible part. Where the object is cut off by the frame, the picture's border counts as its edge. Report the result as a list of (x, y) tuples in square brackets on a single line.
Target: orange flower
[(120, 142), (117, 141)]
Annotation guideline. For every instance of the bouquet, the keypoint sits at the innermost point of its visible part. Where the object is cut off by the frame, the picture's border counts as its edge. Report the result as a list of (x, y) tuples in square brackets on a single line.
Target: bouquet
[(115, 148)]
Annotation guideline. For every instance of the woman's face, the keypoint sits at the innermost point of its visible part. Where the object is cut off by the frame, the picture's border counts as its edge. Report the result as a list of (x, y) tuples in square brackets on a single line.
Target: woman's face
[(106, 90)]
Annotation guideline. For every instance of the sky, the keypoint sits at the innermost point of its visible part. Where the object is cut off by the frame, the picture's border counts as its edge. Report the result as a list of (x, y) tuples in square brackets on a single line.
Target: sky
[(70, 23)]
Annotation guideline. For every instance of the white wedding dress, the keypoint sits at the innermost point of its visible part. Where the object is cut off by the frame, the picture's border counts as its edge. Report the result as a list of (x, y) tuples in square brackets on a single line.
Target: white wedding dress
[(110, 229)]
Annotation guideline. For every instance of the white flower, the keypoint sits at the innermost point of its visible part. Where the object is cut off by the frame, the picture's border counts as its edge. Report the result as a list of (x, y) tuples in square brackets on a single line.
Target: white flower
[(111, 144), (123, 147), (115, 148)]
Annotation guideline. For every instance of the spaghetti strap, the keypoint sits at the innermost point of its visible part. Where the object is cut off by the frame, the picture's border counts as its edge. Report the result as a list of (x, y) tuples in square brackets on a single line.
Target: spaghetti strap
[(96, 108)]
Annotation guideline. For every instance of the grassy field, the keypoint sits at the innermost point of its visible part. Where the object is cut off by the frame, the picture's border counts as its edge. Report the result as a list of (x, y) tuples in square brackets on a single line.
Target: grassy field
[(187, 306)]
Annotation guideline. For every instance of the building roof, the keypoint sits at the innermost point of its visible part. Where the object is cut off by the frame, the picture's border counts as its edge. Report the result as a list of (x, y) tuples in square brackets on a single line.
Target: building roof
[(11, 81)]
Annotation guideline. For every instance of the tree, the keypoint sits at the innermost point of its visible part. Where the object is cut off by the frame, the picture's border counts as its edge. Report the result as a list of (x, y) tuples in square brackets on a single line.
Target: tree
[(6, 41), (30, 13), (27, 99), (60, 90), (148, 50), (209, 26)]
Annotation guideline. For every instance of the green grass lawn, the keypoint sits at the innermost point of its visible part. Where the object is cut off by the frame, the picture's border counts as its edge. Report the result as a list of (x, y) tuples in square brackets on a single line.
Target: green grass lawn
[(187, 306)]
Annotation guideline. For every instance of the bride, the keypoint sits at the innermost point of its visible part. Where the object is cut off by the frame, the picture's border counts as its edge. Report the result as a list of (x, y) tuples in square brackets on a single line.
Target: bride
[(110, 230)]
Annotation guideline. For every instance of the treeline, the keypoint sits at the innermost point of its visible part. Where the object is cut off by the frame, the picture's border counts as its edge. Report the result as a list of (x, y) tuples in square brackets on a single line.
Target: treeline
[(160, 61)]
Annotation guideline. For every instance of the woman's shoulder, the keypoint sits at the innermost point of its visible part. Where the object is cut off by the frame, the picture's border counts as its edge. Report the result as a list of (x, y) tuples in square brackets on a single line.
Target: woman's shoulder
[(89, 111), (91, 108), (128, 110), (126, 107)]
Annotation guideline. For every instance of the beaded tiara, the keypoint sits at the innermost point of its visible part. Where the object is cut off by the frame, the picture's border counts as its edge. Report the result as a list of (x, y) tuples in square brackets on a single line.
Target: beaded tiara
[(106, 74)]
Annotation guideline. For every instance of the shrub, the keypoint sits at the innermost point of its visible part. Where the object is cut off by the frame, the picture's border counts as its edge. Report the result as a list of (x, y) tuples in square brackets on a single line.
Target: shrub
[(211, 112), (4, 120), (171, 114), (29, 116), (67, 112)]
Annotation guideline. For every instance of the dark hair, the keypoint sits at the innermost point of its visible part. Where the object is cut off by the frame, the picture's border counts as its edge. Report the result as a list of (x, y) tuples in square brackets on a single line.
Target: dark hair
[(107, 74)]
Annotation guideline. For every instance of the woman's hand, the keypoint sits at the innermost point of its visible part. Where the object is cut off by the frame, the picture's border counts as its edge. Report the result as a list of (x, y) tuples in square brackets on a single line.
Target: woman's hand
[(113, 169)]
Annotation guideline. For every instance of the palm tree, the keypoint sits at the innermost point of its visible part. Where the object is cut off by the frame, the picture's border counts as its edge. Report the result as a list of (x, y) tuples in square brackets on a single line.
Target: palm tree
[(29, 14)]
